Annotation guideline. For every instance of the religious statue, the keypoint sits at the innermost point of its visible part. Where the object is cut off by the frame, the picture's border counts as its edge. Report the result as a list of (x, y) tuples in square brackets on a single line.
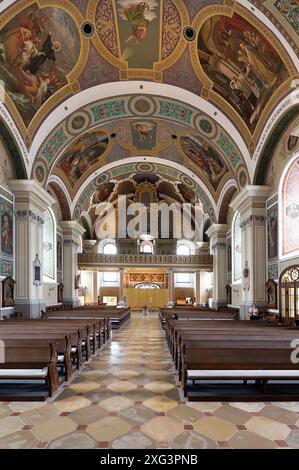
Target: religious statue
[(254, 312), (246, 277)]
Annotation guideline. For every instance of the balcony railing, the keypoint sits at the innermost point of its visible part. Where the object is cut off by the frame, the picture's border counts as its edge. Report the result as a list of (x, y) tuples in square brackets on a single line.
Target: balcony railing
[(195, 261)]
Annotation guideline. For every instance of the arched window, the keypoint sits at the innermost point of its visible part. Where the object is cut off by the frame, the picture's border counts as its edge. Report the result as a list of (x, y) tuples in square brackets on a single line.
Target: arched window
[(237, 248), (147, 285), (110, 249), (49, 246), (183, 250), (146, 247), (289, 210)]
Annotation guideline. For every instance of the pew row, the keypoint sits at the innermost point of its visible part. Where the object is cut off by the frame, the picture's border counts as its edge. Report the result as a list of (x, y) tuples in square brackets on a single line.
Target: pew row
[(32, 361), (76, 341), (117, 317), (234, 360)]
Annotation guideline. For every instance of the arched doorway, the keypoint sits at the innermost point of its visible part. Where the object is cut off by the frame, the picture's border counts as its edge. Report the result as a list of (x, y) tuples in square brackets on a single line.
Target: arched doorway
[(289, 295)]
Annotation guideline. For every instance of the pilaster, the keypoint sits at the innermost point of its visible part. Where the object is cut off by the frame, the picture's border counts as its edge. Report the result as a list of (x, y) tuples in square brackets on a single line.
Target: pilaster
[(251, 203), (72, 230), (217, 234), (31, 201)]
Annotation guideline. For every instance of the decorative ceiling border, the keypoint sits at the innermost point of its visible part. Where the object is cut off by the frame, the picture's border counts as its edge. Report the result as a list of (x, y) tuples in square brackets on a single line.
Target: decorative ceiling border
[(291, 100), (72, 78), (277, 20), (5, 115)]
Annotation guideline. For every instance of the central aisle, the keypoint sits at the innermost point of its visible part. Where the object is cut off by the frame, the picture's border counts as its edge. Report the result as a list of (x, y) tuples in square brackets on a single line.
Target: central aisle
[(128, 397)]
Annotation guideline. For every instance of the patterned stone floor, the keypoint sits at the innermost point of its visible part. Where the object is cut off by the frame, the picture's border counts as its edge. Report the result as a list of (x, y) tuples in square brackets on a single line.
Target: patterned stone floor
[(128, 398)]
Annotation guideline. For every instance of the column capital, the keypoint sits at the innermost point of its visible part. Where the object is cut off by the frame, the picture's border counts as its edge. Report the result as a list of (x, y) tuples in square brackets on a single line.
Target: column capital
[(28, 193), (203, 247), (72, 230), (88, 245), (217, 231), (251, 197)]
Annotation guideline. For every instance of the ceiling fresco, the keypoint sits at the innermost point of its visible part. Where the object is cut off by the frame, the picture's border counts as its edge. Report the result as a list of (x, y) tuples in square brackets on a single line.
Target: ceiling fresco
[(107, 132), (242, 64), (82, 156), (37, 65), (140, 40), (239, 65), (139, 188), (187, 188)]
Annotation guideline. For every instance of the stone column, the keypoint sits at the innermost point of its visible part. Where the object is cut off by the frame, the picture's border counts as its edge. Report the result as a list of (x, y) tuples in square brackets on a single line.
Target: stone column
[(95, 287), (217, 233), (170, 280), (197, 287), (30, 203), (121, 300), (251, 203), (72, 230)]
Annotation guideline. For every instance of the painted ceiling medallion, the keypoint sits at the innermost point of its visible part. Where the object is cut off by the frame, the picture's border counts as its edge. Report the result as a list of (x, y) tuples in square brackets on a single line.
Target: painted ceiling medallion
[(141, 39)]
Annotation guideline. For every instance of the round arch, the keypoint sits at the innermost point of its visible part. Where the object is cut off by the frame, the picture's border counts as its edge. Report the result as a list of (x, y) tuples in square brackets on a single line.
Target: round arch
[(202, 191), (129, 88)]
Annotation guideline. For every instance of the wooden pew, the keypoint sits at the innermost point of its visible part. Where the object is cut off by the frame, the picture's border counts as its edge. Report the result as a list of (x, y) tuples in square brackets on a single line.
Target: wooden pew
[(83, 315), (258, 360), (30, 360), (89, 329), (63, 341), (117, 316), (202, 335)]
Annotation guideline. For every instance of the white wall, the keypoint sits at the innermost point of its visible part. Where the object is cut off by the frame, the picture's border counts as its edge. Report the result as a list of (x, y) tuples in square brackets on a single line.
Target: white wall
[(236, 294), (206, 282), (50, 293)]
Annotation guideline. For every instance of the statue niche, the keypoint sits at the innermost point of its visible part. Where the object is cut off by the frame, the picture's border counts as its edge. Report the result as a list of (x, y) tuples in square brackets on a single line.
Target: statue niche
[(8, 288), (60, 289), (271, 294), (228, 294)]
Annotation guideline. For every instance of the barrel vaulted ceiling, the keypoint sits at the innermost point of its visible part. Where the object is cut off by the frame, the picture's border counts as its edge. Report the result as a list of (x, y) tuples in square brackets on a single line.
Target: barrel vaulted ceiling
[(192, 89)]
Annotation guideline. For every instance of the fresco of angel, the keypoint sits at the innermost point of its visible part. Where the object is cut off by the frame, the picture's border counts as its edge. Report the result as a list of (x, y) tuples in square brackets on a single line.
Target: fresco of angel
[(139, 15)]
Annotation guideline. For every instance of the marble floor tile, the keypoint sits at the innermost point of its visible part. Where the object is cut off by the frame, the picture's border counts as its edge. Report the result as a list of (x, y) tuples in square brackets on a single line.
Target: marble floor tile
[(9, 425), (72, 404), (108, 429), (74, 441), (18, 440), (160, 403), (268, 428), (162, 428), (53, 429), (215, 428), (249, 440), (116, 404), (193, 440), (279, 414)]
